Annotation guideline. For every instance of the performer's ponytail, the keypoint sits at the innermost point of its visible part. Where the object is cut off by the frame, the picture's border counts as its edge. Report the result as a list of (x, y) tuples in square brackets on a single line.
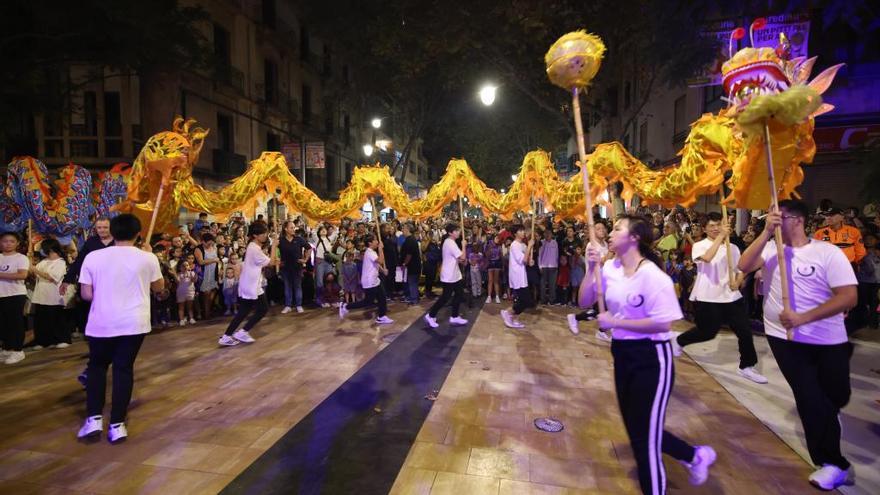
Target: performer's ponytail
[(640, 227)]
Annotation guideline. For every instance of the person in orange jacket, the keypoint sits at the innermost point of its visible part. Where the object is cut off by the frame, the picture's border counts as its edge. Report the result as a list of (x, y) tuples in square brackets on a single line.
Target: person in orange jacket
[(846, 237)]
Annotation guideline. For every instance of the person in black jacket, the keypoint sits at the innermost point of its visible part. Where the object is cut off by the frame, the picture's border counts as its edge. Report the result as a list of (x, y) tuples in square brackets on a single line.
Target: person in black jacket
[(389, 248), (412, 260), (102, 238)]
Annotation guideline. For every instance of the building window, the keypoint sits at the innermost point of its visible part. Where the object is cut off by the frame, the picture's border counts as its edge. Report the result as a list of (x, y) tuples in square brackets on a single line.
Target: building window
[(84, 140), (330, 170), (612, 101), (222, 50), (270, 81), (306, 103), (225, 136), (680, 115), (643, 137), (627, 95), (327, 69), (273, 142), (269, 13), (712, 101), (304, 48), (112, 124)]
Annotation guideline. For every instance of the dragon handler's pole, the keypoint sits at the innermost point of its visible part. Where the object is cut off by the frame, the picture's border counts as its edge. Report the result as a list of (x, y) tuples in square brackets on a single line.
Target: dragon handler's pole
[(777, 234)]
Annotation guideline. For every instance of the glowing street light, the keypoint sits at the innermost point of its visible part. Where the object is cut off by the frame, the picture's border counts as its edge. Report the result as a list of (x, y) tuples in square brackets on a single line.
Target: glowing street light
[(514, 177), (368, 149), (376, 123), (487, 94)]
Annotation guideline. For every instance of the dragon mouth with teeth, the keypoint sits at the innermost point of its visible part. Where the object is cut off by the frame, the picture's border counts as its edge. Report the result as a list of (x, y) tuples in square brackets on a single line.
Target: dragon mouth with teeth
[(752, 72)]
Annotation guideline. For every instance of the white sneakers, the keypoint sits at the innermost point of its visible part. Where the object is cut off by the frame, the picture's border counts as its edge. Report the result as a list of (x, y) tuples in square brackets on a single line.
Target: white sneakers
[(676, 349), (509, 320), (752, 374), (287, 309), (603, 336), (299, 309), (432, 322), (704, 457), (497, 299), (488, 299), (117, 433), (325, 305), (91, 428), (573, 323), (243, 336), (829, 477), (62, 345), (458, 321), (384, 320), (343, 310), (192, 321), (13, 357), (183, 322)]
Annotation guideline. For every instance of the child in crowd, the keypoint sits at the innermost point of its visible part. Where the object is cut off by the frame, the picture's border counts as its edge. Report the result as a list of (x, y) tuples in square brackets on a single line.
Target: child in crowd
[(686, 278), (476, 275), (673, 268), (563, 281), (331, 289), (230, 291), (576, 274), (350, 275), (186, 292)]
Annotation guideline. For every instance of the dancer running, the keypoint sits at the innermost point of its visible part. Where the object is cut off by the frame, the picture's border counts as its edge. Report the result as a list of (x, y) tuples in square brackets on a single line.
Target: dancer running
[(520, 254), (250, 286), (815, 362), (373, 264), (601, 231), (641, 305), (717, 298), (450, 278)]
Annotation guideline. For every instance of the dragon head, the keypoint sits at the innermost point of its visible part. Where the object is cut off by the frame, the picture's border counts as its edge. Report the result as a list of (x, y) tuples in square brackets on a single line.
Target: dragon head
[(761, 71)]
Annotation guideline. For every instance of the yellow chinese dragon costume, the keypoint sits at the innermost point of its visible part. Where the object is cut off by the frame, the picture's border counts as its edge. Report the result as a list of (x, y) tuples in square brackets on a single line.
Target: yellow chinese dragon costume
[(763, 84)]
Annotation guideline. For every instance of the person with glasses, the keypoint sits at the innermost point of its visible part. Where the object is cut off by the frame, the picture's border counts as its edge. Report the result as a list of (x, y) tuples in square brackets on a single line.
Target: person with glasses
[(815, 359)]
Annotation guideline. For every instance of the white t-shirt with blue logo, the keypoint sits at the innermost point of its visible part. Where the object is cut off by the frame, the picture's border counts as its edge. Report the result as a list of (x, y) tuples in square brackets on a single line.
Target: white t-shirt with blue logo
[(647, 293)]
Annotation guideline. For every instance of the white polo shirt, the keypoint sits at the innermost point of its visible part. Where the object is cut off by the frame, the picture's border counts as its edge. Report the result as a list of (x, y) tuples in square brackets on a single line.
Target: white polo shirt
[(814, 269), (449, 270), (120, 277), (713, 277), (647, 293), (370, 269), (516, 271)]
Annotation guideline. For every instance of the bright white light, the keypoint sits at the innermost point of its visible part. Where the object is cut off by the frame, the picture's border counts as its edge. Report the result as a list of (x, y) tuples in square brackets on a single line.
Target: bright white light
[(368, 149), (487, 94), (503, 190), (376, 123), (513, 177), (383, 144)]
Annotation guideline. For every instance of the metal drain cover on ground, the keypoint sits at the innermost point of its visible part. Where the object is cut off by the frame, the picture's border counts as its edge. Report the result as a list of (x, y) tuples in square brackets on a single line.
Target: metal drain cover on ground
[(549, 424)]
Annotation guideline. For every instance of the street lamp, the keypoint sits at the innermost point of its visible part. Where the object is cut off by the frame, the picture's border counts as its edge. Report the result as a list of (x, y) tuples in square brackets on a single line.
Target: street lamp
[(368, 149), (487, 94), (376, 122), (514, 177)]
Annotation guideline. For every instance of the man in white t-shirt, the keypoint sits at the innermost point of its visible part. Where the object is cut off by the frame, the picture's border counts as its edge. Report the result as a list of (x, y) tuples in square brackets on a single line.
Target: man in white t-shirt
[(814, 358), (520, 254), (450, 278), (374, 293), (717, 299), (117, 280)]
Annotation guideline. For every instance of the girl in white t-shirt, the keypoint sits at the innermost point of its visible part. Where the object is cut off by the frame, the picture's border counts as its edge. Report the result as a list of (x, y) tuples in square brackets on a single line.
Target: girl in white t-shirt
[(642, 304), (186, 292), (14, 268), (450, 278), (50, 329), (251, 296)]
